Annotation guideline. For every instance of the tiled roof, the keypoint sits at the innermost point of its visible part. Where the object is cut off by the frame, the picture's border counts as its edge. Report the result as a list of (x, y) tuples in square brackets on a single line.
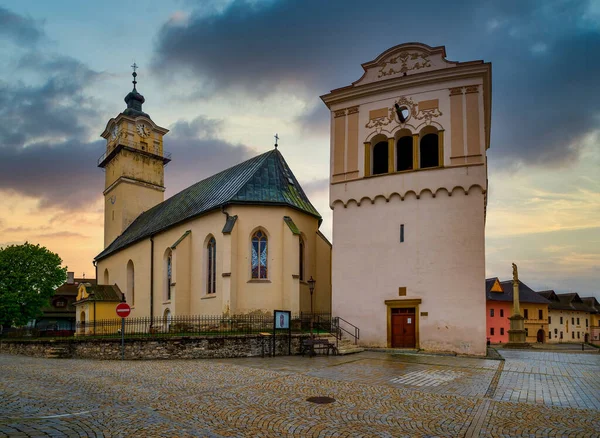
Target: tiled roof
[(263, 180), (103, 292), (570, 301), (592, 304), (526, 294), (71, 289)]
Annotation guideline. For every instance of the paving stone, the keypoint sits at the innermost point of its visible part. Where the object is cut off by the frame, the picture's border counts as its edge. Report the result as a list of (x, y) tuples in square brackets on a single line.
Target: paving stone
[(376, 394)]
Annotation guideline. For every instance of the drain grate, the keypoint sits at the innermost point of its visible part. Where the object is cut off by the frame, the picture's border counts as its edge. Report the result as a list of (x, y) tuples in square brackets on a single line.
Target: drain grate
[(320, 400)]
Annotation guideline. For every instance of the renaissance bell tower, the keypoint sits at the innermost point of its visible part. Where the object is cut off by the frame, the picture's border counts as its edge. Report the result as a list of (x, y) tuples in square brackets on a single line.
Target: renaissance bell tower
[(408, 190), (133, 163)]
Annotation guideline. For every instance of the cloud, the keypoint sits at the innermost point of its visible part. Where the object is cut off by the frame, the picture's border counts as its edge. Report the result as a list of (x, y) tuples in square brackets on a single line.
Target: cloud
[(198, 152), (62, 234), (23, 31), (544, 94)]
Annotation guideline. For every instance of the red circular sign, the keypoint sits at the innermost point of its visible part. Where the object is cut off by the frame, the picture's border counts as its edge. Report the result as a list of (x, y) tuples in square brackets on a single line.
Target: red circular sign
[(123, 310)]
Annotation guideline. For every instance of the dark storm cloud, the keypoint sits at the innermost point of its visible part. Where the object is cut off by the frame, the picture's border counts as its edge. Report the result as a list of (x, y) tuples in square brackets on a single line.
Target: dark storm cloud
[(543, 56), (21, 30), (198, 153)]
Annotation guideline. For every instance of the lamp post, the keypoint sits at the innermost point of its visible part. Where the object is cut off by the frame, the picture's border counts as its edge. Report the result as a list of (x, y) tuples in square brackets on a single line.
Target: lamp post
[(311, 288)]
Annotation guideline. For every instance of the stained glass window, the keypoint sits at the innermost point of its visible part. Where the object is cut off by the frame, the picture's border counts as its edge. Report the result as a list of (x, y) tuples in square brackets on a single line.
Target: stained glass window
[(211, 286), (259, 255)]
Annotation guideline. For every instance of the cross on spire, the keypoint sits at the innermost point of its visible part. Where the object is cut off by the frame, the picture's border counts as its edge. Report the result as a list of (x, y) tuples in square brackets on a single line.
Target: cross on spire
[(134, 66), (276, 140)]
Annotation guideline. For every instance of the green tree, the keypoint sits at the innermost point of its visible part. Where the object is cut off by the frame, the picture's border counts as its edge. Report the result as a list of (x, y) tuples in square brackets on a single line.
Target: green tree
[(29, 275)]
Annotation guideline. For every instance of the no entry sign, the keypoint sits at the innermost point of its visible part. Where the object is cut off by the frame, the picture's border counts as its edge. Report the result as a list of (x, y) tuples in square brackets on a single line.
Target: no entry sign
[(123, 310)]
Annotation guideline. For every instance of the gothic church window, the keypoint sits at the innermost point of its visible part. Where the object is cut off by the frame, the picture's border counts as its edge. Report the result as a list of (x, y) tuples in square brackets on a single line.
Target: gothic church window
[(380, 158), (168, 274), (429, 151), (131, 282), (404, 154), (211, 269), (259, 255), (301, 259)]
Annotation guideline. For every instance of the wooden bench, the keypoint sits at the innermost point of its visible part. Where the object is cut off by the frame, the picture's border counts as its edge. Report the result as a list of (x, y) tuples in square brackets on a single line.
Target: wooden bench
[(310, 345)]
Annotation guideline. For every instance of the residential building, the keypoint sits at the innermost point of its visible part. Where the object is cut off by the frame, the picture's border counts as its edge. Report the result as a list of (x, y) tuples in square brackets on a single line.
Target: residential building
[(570, 317)]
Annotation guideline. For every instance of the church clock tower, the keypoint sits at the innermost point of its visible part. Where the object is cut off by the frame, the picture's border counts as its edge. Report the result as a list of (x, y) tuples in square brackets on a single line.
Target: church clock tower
[(134, 165)]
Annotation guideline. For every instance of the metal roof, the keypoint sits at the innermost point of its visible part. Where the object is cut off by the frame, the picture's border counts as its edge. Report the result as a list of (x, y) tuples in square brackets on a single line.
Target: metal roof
[(263, 180)]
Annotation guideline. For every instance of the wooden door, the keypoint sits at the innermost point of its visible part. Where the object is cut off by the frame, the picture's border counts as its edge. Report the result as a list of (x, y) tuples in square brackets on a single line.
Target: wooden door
[(403, 328)]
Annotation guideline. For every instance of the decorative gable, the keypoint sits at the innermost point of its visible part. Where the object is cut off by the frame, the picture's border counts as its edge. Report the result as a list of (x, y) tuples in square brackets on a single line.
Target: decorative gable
[(497, 287), (404, 60), (82, 293)]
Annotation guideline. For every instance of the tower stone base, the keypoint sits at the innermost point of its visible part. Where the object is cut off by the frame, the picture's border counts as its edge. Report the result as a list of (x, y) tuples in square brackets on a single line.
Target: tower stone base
[(516, 335)]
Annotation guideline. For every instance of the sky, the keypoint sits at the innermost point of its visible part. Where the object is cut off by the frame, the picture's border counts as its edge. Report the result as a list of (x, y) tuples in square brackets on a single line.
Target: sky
[(226, 75)]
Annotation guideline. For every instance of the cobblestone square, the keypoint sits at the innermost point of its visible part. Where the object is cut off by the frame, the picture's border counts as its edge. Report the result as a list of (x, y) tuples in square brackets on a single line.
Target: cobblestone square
[(532, 393)]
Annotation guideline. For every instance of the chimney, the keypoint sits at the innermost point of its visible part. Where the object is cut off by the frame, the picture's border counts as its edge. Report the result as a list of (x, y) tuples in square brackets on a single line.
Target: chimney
[(70, 277)]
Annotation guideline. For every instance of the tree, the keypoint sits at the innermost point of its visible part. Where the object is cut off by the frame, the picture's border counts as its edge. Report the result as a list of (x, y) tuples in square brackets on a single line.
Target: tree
[(29, 275)]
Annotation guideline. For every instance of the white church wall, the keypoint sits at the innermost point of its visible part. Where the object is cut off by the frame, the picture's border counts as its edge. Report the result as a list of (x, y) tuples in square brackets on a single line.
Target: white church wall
[(441, 261)]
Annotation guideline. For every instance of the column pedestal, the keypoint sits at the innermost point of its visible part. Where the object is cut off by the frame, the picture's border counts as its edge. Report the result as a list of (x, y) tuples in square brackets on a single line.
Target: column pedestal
[(516, 335)]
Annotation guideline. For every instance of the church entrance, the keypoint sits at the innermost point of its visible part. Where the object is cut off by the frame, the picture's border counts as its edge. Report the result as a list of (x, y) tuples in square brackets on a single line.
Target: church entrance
[(403, 328), (540, 336)]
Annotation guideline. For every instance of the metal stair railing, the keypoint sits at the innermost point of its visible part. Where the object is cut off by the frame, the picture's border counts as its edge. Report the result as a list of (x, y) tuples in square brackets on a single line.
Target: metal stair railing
[(351, 329)]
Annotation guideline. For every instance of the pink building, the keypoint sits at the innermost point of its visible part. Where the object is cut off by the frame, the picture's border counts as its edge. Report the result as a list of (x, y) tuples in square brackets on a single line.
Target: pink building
[(498, 306)]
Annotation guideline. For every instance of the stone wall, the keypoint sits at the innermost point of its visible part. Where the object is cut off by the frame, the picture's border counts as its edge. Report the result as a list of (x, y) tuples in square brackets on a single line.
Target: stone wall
[(167, 348)]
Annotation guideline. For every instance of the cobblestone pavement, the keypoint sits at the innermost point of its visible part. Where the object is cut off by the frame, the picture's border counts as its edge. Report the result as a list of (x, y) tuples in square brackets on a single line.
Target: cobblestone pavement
[(376, 394)]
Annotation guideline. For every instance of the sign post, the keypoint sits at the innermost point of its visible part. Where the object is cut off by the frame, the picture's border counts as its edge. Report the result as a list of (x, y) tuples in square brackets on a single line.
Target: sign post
[(123, 310), (282, 322)]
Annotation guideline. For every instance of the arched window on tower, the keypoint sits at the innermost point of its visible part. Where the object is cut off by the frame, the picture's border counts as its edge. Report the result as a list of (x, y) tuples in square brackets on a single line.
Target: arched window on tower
[(259, 255), (131, 283), (380, 158), (404, 153), (429, 151), (211, 267), (301, 259)]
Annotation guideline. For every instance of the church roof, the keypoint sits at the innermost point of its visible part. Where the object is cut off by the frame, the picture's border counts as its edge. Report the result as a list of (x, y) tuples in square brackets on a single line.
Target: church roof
[(526, 294), (263, 180)]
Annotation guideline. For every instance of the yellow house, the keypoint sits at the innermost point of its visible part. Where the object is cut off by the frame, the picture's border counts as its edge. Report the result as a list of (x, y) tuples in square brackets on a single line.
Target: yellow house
[(246, 239), (571, 317), (95, 303)]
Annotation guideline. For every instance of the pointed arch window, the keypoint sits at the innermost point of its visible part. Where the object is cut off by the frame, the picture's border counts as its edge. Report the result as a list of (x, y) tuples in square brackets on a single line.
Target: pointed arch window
[(131, 282), (211, 269), (169, 276), (301, 260), (259, 255)]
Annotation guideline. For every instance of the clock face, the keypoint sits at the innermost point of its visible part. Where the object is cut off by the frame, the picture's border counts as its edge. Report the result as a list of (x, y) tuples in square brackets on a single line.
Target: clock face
[(115, 132), (143, 130)]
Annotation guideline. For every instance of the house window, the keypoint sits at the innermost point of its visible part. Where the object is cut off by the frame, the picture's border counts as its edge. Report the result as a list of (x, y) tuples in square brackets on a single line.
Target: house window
[(502, 313), (577, 321), (540, 314), (380, 158), (555, 331), (404, 154), (526, 332), (549, 319), (211, 268), (549, 335), (492, 331), (561, 335), (429, 151), (60, 303), (526, 313), (561, 319), (301, 259), (492, 312), (586, 322), (259, 255), (501, 330), (572, 321), (578, 335), (131, 282), (572, 335)]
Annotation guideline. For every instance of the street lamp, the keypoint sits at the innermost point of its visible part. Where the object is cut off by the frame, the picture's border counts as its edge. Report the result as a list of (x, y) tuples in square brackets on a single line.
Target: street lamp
[(311, 288)]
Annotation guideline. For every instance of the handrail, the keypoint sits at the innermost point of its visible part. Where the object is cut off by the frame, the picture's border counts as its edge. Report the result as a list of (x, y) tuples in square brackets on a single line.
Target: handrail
[(356, 334)]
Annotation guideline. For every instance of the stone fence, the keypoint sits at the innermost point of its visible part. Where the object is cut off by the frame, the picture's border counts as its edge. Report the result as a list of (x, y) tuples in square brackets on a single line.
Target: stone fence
[(197, 347)]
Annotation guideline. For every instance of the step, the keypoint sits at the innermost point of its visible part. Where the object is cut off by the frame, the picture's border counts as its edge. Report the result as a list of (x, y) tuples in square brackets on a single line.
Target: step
[(349, 349)]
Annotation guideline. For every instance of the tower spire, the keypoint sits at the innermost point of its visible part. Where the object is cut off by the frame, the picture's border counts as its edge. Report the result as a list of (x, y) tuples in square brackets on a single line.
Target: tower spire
[(134, 74)]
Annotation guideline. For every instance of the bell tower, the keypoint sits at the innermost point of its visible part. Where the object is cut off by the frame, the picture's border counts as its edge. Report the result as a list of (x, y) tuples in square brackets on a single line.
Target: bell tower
[(133, 163), (408, 190)]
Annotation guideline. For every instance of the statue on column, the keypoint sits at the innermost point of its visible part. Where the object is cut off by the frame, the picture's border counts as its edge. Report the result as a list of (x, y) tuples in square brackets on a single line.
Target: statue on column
[(515, 273)]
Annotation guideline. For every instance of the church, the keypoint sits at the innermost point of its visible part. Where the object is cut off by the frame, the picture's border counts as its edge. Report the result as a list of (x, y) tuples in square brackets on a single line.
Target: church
[(408, 189), (244, 240)]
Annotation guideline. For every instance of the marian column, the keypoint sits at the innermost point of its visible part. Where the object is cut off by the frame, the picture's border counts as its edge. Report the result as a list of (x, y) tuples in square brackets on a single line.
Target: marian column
[(516, 335)]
